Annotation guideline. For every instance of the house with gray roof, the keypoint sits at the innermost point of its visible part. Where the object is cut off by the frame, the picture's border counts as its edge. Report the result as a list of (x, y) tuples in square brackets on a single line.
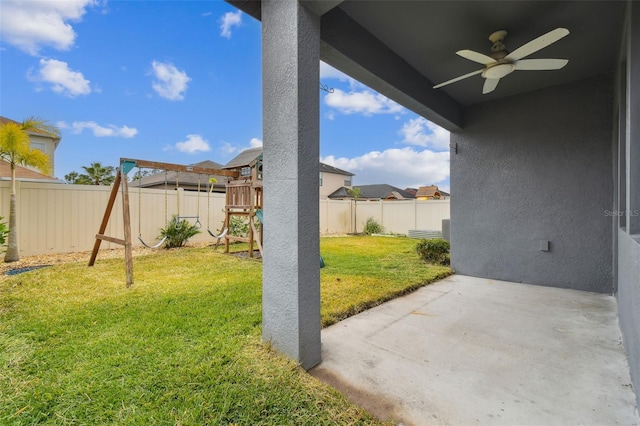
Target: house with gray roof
[(374, 192)]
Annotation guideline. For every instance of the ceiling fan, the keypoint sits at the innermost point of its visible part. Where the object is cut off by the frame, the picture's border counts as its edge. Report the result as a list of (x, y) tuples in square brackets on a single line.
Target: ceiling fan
[(501, 63)]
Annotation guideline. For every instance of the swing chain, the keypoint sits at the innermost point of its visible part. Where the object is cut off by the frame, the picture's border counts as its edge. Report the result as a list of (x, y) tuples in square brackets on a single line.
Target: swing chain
[(159, 243)]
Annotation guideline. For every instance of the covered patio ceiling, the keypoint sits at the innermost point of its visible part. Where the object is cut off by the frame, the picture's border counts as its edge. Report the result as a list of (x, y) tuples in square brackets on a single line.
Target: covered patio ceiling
[(403, 48)]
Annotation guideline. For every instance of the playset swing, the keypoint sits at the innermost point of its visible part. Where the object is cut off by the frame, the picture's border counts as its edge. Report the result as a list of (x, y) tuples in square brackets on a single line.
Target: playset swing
[(180, 218), (121, 185), (211, 182), (166, 217)]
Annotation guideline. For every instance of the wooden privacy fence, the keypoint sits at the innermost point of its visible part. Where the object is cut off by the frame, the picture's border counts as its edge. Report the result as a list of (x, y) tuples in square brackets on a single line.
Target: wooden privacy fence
[(56, 218)]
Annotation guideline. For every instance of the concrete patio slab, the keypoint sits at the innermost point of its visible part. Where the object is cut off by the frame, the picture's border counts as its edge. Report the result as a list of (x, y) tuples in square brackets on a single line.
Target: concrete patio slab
[(469, 350)]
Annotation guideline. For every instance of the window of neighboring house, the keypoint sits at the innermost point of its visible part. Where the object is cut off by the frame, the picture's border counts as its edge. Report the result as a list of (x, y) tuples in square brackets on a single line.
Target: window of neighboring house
[(347, 181), (245, 171), (40, 146), (320, 178)]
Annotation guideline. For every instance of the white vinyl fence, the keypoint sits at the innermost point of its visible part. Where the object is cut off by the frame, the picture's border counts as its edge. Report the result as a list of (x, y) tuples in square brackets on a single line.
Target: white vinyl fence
[(56, 218), (397, 217)]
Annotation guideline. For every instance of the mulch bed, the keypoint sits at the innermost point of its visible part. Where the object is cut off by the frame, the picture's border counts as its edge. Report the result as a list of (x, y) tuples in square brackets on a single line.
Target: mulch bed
[(30, 263), (245, 254), (17, 271)]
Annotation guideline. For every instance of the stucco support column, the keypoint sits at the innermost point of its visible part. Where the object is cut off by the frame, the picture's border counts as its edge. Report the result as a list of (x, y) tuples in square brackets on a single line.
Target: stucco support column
[(291, 263)]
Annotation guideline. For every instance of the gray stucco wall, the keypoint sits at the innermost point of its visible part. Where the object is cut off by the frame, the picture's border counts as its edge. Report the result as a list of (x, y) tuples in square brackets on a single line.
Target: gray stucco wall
[(628, 246), (535, 168), (628, 297)]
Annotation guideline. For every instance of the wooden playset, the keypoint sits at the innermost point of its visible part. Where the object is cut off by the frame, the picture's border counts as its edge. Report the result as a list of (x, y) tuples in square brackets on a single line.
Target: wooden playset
[(243, 199)]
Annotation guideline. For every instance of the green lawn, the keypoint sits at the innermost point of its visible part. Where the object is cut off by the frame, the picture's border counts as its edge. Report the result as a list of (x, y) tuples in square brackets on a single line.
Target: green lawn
[(183, 345)]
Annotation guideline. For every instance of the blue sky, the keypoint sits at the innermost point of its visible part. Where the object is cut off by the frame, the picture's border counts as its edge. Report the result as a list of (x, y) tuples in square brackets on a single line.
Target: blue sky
[(180, 82)]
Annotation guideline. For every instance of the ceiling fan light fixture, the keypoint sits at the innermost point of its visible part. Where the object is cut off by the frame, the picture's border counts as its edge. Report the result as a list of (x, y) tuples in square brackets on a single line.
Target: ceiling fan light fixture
[(498, 71), (500, 63)]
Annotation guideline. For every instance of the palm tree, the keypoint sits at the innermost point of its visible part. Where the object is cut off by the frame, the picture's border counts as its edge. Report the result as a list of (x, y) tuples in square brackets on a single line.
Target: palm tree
[(355, 193), (99, 174), (15, 149), (77, 179)]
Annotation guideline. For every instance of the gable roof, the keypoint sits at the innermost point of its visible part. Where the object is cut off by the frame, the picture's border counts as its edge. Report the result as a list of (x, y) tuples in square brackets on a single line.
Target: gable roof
[(429, 191), (24, 174), (246, 157), (189, 179), (330, 169), (243, 159), (380, 191)]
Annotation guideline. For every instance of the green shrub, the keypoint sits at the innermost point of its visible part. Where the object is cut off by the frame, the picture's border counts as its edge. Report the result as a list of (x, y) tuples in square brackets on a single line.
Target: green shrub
[(372, 227), (178, 231), (239, 226), (435, 251)]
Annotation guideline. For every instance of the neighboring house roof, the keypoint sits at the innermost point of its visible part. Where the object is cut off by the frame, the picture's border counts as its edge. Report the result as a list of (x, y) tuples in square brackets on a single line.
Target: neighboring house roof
[(246, 157), (330, 169), (187, 180), (381, 191), (429, 192), (243, 159), (24, 174), (56, 141)]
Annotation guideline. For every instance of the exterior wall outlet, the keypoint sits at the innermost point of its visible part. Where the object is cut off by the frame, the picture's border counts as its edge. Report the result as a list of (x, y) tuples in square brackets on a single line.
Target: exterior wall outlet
[(543, 245)]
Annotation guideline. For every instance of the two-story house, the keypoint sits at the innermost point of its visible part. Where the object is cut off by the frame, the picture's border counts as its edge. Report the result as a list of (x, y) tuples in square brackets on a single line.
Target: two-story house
[(38, 140)]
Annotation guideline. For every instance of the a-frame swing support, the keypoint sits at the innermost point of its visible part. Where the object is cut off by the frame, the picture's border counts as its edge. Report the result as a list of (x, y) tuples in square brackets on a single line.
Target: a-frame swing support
[(121, 183)]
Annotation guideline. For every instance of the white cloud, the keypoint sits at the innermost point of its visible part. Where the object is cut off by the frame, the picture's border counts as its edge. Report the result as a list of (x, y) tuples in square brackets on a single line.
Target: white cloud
[(228, 148), (229, 20), (363, 102), (327, 71), (62, 79), (30, 25), (170, 82), (98, 130), (421, 132), (255, 143), (193, 144), (404, 168)]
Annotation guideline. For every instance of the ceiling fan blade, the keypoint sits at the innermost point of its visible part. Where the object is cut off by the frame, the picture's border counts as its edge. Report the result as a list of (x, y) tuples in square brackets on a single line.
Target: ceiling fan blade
[(537, 44), (490, 85), (462, 77), (540, 64), (476, 57)]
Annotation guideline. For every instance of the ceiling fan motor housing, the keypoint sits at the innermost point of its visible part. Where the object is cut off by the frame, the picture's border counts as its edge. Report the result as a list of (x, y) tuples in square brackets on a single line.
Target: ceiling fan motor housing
[(498, 71)]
